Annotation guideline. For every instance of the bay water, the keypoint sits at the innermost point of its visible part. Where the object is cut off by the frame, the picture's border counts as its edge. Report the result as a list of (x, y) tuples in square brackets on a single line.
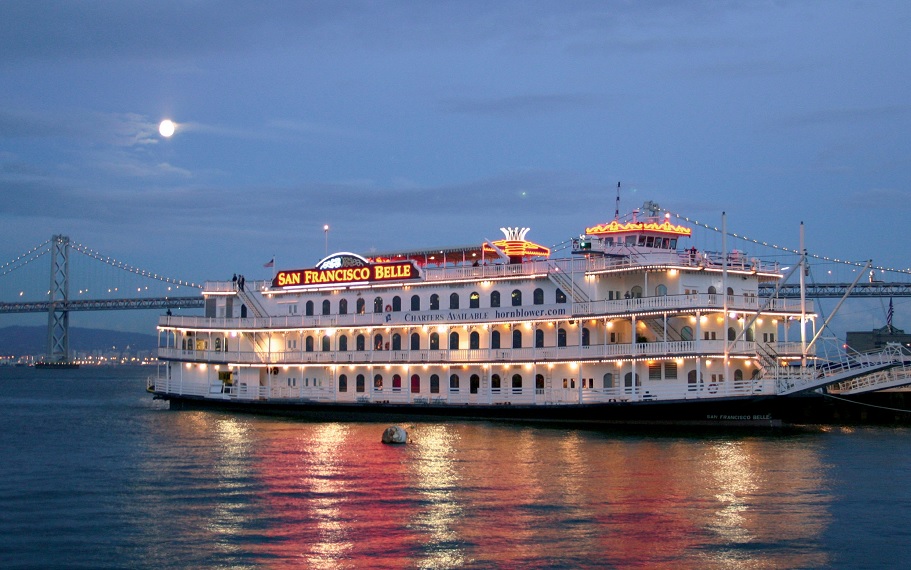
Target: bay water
[(94, 473)]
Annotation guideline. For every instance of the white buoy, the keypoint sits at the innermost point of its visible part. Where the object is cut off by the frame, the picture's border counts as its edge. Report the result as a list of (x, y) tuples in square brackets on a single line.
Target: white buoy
[(395, 434)]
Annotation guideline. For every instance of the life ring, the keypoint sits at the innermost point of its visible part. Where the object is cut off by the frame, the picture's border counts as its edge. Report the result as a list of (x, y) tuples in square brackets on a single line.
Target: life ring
[(388, 308), (713, 388)]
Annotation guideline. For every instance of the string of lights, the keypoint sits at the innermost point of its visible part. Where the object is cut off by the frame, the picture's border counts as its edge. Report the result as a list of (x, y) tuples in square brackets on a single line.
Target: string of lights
[(15, 264), (789, 250), (87, 251)]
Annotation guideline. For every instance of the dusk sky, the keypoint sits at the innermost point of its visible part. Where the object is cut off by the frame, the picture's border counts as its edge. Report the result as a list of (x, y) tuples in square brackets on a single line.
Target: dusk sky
[(412, 124)]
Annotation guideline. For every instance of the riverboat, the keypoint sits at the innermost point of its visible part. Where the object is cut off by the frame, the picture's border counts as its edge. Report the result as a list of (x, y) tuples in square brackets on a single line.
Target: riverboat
[(632, 325)]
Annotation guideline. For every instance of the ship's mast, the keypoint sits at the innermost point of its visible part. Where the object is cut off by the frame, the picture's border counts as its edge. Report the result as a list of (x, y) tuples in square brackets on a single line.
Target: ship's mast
[(617, 205)]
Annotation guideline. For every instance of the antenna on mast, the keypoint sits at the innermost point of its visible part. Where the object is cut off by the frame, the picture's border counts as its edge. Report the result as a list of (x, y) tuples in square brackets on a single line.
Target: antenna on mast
[(617, 207)]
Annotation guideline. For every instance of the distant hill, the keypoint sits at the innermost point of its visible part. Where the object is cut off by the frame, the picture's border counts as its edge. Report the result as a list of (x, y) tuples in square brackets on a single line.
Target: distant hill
[(19, 341)]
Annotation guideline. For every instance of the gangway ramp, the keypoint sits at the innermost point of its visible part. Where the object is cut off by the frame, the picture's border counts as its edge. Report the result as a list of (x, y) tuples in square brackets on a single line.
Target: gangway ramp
[(895, 377), (848, 369)]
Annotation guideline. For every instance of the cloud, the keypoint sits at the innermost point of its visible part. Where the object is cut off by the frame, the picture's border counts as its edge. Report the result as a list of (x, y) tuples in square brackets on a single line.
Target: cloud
[(845, 116), (88, 127)]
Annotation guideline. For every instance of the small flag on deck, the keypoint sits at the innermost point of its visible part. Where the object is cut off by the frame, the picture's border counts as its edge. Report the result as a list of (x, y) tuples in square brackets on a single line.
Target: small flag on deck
[(271, 263), (890, 314)]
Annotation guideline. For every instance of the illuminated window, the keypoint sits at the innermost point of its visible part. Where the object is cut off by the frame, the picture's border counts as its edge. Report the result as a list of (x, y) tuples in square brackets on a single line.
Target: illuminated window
[(361, 307), (516, 298), (343, 307), (396, 383), (415, 303), (378, 342), (342, 383), (560, 296), (454, 301), (538, 296), (494, 298), (415, 384), (378, 305), (378, 382), (434, 341), (434, 302), (434, 384), (474, 300)]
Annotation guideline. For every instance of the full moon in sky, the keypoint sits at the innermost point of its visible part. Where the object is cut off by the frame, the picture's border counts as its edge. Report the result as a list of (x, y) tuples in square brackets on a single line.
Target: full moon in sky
[(166, 128)]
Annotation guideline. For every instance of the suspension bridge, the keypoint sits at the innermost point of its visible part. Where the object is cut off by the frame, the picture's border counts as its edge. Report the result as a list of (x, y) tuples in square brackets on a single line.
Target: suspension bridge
[(83, 279)]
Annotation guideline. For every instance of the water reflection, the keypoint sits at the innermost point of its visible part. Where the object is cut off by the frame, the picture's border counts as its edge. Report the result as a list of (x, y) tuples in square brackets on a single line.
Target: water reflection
[(330, 495)]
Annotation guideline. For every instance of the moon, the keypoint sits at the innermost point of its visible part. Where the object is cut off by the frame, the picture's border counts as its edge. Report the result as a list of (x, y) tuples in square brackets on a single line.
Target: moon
[(166, 128)]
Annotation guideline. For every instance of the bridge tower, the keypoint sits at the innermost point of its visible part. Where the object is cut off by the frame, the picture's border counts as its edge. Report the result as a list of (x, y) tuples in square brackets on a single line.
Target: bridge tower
[(58, 315)]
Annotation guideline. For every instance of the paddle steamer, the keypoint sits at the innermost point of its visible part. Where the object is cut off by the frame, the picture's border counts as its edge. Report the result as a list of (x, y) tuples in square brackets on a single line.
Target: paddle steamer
[(635, 326)]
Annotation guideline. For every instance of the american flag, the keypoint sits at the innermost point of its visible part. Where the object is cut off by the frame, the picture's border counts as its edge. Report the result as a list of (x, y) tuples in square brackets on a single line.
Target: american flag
[(270, 263), (889, 314)]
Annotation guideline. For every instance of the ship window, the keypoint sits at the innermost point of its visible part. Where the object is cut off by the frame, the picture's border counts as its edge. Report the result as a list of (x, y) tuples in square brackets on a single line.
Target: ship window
[(560, 296), (561, 337), (342, 383), (609, 380), (642, 240), (378, 305), (474, 383), (434, 341), (661, 290), (415, 303), (359, 383), (415, 341), (748, 335), (396, 341), (454, 301), (326, 343), (308, 309), (453, 340), (673, 244), (474, 340), (359, 342), (654, 371), (326, 307), (630, 240), (691, 380), (474, 300), (712, 290), (378, 342), (730, 292), (343, 307), (539, 338), (628, 380), (495, 382), (378, 382), (454, 383), (686, 333), (732, 334), (415, 384), (396, 304), (495, 339), (636, 292), (343, 343), (539, 382), (396, 382), (538, 296), (361, 306), (434, 384), (738, 375), (308, 344), (516, 383), (434, 302), (516, 298), (586, 337), (494, 298), (670, 370), (517, 338)]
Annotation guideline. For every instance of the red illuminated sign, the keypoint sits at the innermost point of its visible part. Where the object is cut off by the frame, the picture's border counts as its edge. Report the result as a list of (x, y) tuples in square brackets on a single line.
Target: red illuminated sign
[(343, 269)]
